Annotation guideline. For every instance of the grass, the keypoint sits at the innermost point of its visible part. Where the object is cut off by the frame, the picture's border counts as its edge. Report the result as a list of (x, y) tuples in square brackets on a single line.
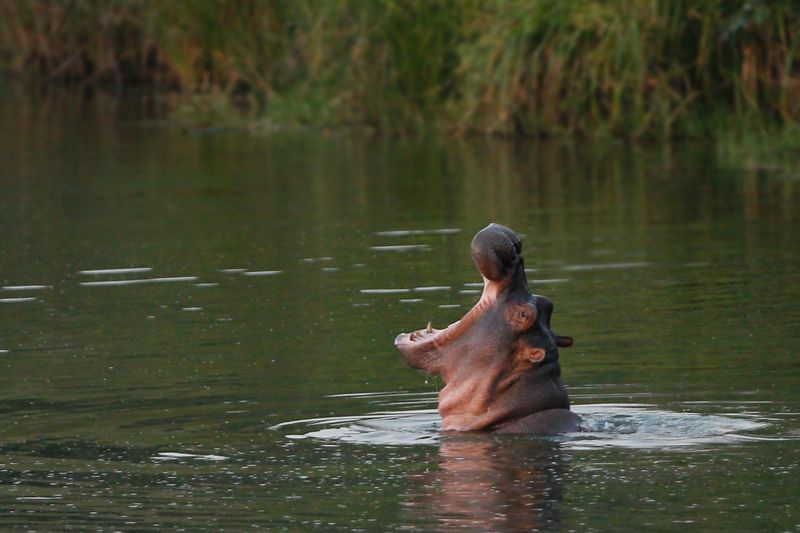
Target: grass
[(620, 68)]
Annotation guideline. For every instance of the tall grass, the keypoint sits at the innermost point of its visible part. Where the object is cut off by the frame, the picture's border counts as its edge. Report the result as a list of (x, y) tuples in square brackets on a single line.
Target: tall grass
[(628, 68), (84, 42)]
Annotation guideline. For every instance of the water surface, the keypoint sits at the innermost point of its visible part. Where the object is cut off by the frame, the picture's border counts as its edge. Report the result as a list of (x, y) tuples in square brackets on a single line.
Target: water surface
[(196, 330)]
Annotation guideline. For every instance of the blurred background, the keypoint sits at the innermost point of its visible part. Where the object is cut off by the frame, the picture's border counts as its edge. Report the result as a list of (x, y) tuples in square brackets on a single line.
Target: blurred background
[(622, 68), (216, 216)]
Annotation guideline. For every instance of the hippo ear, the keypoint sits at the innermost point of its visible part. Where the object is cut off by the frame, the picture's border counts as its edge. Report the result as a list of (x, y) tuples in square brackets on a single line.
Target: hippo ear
[(495, 250), (531, 354), (562, 341)]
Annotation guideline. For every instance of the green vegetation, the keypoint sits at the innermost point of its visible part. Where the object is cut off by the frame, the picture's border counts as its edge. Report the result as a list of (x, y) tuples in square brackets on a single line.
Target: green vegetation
[(625, 68)]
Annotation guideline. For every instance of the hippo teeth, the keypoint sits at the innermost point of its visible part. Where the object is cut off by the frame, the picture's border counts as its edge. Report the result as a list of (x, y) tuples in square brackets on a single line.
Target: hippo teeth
[(415, 335)]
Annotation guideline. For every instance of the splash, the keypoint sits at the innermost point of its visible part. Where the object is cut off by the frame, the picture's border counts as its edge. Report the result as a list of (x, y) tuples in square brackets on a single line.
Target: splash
[(604, 426)]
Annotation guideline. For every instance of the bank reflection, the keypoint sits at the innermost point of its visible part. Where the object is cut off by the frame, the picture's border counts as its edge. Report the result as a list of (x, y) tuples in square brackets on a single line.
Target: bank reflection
[(491, 483)]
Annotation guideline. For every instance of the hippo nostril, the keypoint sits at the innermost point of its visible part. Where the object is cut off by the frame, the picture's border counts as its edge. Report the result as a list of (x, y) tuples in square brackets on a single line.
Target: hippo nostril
[(495, 250)]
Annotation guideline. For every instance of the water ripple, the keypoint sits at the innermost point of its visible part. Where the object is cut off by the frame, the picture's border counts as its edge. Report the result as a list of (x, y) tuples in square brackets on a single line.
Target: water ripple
[(140, 281), (604, 266), (401, 248), (384, 291), (604, 426), (262, 272), (105, 271), (412, 232), (179, 456), (18, 300)]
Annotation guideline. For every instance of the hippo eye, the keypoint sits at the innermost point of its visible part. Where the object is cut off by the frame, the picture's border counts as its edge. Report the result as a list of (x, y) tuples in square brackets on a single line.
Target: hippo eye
[(522, 317)]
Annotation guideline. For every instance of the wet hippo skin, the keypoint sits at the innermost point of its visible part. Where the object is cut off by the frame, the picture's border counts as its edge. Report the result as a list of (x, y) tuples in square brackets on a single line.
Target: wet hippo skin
[(500, 361)]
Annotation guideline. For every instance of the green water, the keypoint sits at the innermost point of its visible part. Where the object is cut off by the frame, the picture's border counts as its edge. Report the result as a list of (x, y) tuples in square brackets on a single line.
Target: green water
[(254, 382)]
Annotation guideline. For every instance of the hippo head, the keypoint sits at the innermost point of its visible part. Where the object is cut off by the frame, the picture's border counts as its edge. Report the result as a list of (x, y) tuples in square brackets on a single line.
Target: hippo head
[(500, 361)]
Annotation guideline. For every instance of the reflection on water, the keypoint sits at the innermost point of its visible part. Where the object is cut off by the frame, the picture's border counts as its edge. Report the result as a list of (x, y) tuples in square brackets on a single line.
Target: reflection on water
[(482, 485), (168, 298)]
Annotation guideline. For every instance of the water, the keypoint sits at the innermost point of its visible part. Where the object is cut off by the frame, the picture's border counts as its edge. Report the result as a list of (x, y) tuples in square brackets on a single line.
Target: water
[(196, 330)]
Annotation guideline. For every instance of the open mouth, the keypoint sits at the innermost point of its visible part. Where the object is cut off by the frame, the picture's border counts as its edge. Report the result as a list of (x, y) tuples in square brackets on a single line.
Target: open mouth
[(430, 338), (421, 336)]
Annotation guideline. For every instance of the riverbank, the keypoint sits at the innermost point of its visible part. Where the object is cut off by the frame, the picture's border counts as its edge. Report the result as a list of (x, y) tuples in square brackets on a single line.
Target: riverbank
[(625, 69)]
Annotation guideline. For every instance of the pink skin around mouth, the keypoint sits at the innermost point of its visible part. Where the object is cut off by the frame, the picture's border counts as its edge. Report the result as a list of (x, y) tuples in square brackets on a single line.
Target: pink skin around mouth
[(430, 338)]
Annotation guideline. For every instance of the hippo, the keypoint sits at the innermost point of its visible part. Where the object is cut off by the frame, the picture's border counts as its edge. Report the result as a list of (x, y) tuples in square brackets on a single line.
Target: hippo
[(499, 362)]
